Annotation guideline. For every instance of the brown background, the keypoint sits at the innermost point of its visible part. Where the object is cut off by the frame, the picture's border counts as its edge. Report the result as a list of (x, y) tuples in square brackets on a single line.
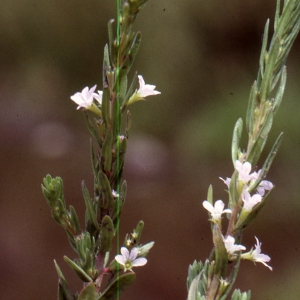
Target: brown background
[(203, 57)]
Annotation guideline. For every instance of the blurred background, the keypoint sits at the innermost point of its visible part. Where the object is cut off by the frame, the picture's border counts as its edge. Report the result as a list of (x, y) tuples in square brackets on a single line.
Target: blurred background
[(203, 57)]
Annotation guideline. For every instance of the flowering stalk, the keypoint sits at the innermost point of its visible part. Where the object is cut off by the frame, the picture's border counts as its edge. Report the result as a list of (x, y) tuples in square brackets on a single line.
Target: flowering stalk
[(93, 244), (248, 191)]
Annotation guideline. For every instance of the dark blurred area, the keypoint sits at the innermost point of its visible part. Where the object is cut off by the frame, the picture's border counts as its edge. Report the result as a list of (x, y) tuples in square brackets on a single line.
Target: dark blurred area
[(203, 58)]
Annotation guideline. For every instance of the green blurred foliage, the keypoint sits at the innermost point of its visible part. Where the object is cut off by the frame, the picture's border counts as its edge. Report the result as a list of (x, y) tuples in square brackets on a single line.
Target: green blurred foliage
[(203, 57)]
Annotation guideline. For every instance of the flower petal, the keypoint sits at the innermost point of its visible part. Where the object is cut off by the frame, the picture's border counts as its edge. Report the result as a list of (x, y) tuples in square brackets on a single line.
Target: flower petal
[(141, 261), (208, 206)]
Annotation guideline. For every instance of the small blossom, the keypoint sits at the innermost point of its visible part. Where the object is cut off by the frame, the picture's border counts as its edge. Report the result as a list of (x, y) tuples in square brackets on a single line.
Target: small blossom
[(250, 201), (256, 255), (85, 99), (144, 91), (98, 96), (244, 170), (230, 246), (129, 259), (264, 186), (217, 210), (115, 194), (226, 181)]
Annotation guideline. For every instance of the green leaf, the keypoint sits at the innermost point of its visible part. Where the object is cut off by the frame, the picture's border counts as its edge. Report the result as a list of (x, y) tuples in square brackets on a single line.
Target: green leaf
[(220, 252), (268, 162), (264, 48), (193, 290), (144, 250), (130, 91), (110, 37), (131, 54), (237, 295), (106, 60), (237, 133), (117, 205), (105, 105), (128, 124), (75, 219), (279, 94), (253, 215), (210, 195), (250, 109), (235, 269), (277, 13), (117, 286), (233, 194), (138, 231), (63, 288), (52, 189), (89, 206), (122, 152), (105, 190), (123, 87), (106, 235), (261, 139), (92, 130), (106, 153), (78, 270), (194, 270), (88, 292), (265, 88)]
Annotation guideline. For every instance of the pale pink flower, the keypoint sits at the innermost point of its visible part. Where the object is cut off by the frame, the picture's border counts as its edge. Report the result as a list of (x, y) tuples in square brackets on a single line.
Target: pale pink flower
[(230, 246), (244, 170), (226, 181), (264, 186), (129, 259), (145, 90), (217, 210), (250, 201), (85, 98), (256, 255)]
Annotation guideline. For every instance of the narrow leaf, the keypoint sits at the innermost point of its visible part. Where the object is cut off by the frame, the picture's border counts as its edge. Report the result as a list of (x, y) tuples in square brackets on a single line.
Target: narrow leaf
[(89, 205), (106, 153), (106, 234), (63, 288), (117, 286), (105, 189), (88, 292), (78, 270), (237, 133)]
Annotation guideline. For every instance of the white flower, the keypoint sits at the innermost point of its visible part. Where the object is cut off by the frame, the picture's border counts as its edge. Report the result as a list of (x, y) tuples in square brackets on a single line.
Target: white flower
[(250, 201), (129, 260), (256, 256), (217, 210), (98, 96), (244, 170), (264, 185), (144, 91), (85, 98), (230, 246)]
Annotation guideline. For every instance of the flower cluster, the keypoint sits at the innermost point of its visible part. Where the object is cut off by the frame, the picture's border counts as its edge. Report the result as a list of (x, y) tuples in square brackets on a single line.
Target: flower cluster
[(253, 255), (246, 181), (86, 98)]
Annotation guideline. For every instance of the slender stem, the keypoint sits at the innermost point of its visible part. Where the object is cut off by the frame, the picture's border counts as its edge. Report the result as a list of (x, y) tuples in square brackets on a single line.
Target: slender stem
[(213, 288), (118, 122)]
